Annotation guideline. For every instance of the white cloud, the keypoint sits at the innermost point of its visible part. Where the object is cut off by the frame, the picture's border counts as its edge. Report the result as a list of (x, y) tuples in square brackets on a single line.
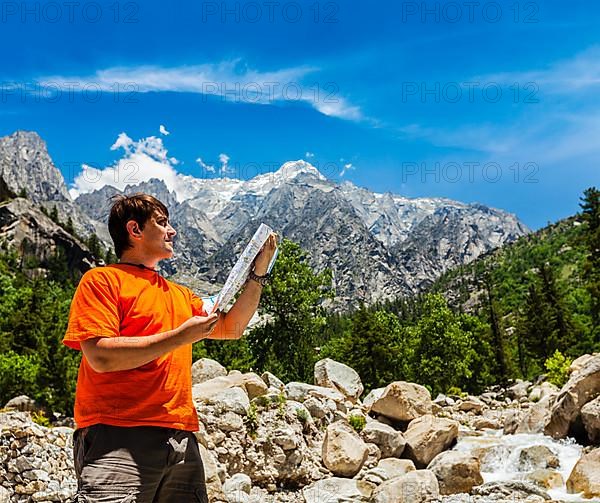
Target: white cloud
[(339, 107), (233, 81), (225, 168), (347, 167), (561, 128), (123, 141), (208, 167), (576, 74), (163, 130), (309, 155), (142, 160)]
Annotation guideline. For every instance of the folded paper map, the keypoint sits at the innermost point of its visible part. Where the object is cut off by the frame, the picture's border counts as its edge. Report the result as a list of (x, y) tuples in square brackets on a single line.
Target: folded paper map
[(239, 274)]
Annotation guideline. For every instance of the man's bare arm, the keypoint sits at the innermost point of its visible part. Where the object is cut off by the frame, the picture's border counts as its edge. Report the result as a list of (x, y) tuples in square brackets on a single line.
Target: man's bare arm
[(109, 354), (233, 324)]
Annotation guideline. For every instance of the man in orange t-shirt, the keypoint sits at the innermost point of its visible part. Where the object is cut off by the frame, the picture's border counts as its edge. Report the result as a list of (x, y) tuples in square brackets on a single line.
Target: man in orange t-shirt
[(133, 404)]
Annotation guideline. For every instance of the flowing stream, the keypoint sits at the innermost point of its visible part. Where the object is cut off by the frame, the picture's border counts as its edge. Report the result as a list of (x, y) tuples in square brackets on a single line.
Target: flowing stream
[(502, 460)]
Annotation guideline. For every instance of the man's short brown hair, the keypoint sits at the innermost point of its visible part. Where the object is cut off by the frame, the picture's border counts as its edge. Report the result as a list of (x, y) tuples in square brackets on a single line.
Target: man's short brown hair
[(139, 207)]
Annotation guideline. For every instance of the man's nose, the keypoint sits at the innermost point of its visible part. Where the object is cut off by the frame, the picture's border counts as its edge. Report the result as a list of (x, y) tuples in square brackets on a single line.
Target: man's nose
[(171, 230)]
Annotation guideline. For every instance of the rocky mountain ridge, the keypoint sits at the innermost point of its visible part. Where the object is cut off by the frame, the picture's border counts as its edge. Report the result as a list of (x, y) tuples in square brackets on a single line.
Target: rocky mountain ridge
[(378, 246)]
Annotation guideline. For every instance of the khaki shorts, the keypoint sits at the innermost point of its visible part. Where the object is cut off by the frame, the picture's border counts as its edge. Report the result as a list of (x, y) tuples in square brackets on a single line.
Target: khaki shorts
[(141, 464)]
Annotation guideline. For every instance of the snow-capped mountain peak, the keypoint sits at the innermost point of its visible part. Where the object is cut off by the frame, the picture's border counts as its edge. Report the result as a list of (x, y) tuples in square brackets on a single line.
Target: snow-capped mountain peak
[(293, 169)]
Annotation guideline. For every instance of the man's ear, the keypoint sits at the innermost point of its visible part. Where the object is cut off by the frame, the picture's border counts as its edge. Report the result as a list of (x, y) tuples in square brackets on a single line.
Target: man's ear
[(133, 229)]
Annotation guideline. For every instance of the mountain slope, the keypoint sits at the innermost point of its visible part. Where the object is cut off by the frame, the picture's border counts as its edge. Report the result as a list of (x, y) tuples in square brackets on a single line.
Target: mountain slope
[(378, 245)]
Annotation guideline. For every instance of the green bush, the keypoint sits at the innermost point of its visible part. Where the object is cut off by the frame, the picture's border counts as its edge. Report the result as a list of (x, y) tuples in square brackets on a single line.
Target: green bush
[(280, 401), (302, 415), (444, 346), (41, 419), (558, 368), (251, 420), (18, 375), (456, 391), (357, 422)]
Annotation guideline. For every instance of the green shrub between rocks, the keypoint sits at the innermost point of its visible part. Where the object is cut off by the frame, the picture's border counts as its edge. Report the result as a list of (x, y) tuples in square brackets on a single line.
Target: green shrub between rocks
[(302, 415), (251, 420), (558, 368), (357, 422)]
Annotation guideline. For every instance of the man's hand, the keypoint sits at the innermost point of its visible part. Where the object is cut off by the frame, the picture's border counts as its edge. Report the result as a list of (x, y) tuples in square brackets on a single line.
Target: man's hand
[(199, 327), (263, 259)]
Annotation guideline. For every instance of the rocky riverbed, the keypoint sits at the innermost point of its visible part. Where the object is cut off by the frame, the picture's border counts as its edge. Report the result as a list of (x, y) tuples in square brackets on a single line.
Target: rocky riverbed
[(266, 441)]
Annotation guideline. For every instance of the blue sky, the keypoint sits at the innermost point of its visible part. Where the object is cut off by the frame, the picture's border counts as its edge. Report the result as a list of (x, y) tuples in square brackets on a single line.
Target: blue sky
[(490, 102)]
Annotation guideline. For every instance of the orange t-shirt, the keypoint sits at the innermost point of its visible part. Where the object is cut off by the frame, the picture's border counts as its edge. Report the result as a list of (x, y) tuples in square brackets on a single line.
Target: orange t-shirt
[(125, 300)]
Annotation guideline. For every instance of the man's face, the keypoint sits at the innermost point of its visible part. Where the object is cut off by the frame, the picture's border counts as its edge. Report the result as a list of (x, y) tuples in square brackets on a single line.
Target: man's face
[(157, 236)]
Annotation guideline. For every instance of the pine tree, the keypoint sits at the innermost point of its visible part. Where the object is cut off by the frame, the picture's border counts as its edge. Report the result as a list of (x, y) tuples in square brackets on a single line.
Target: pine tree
[(590, 216), (496, 332), (110, 257), (544, 325), (93, 243), (534, 331), (285, 344), (54, 215), (562, 336), (376, 346), (69, 226), (444, 349)]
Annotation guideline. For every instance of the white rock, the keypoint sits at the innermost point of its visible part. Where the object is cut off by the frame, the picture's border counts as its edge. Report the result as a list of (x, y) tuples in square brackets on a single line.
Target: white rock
[(372, 397), (40, 475), (390, 442), (457, 472), (240, 482), (590, 415), (337, 490), (205, 369), (336, 375), (23, 403), (388, 469), (420, 486), (427, 436), (395, 467), (285, 437), (403, 401), (230, 421), (299, 410), (344, 452), (211, 473), (300, 391), (272, 381), (254, 385), (231, 399), (205, 390), (238, 497)]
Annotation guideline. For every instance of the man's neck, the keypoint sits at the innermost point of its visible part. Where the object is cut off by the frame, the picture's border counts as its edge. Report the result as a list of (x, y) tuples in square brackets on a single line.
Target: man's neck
[(136, 258)]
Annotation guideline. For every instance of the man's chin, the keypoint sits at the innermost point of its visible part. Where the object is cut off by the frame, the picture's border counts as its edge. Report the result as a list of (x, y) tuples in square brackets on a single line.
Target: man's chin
[(168, 254)]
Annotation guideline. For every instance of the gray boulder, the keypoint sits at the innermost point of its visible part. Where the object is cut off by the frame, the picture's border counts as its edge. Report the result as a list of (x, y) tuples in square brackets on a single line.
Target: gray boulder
[(205, 369), (457, 472), (402, 401), (582, 387), (390, 441), (590, 415), (420, 486), (335, 375), (427, 436)]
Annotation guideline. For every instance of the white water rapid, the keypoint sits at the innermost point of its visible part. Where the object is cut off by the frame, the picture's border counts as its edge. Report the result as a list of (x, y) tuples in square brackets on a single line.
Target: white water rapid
[(502, 461)]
